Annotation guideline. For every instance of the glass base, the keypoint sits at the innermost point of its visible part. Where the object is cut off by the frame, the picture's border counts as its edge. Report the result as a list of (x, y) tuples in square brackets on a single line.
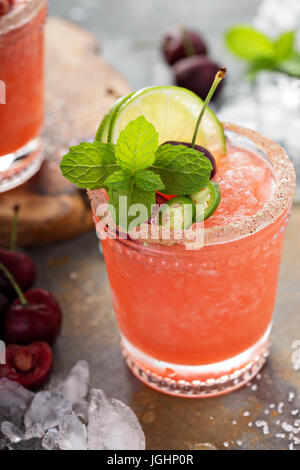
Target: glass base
[(18, 167), (197, 381)]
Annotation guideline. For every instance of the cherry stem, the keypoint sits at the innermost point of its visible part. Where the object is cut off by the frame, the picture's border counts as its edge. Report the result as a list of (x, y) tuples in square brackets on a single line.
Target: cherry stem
[(218, 78), (14, 230), (14, 283), (189, 47)]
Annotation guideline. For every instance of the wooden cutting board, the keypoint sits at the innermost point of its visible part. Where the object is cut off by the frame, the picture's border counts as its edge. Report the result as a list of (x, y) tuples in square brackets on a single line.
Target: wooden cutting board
[(80, 88)]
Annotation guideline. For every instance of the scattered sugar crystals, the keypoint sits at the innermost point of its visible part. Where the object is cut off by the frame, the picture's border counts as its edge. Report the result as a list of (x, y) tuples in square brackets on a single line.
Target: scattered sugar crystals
[(264, 425), (280, 407), (66, 417), (286, 429), (291, 396)]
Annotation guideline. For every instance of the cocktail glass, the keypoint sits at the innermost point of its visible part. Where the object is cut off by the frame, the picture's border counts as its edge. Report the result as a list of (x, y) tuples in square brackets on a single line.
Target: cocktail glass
[(196, 323), (21, 91)]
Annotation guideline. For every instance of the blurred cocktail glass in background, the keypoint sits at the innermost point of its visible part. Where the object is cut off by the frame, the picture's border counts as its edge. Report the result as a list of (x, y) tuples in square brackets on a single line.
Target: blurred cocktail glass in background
[(22, 79)]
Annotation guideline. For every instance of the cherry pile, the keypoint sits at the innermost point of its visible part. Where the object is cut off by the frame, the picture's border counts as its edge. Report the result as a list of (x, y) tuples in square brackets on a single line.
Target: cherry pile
[(187, 53), (30, 319)]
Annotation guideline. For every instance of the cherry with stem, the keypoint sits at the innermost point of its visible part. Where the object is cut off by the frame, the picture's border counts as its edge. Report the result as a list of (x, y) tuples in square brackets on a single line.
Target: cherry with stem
[(20, 265), (34, 316), (218, 78)]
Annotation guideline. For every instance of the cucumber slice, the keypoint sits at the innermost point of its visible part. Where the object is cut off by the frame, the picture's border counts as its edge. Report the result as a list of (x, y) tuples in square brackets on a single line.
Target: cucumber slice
[(178, 213), (208, 199)]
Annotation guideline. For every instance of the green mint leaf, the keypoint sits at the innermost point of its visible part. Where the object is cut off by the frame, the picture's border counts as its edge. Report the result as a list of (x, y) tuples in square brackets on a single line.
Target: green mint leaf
[(119, 180), (291, 66), (122, 200), (284, 45), (88, 165), (183, 170), (137, 145), (258, 65), (148, 180), (249, 44)]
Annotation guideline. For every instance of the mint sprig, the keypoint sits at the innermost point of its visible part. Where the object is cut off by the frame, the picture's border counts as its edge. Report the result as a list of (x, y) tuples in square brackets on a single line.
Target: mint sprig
[(262, 52), (183, 170), (88, 165), (137, 145), (148, 181), (135, 169), (124, 200)]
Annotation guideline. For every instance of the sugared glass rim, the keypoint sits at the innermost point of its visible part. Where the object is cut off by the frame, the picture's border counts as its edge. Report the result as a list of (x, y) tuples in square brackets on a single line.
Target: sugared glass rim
[(20, 16), (277, 205), (281, 200)]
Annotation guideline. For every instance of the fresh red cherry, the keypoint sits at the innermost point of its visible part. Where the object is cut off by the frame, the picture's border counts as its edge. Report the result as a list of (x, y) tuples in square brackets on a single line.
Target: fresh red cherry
[(38, 318), (4, 305), (179, 43), (30, 365), (196, 74), (19, 265), (203, 150), (5, 6), (22, 268)]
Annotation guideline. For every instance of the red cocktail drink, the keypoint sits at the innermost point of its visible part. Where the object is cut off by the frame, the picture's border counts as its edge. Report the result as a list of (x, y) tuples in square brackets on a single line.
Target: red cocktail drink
[(22, 100), (197, 322)]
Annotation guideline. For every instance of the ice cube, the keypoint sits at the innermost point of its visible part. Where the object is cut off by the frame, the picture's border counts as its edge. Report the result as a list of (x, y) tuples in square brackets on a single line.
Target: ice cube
[(76, 385), (3, 443), (13, 395), (72, 433), (50, 440), (14, 400), (81, 410), (36, 431), (47, 408), (112, 425), (32, 444), (12, 432)]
